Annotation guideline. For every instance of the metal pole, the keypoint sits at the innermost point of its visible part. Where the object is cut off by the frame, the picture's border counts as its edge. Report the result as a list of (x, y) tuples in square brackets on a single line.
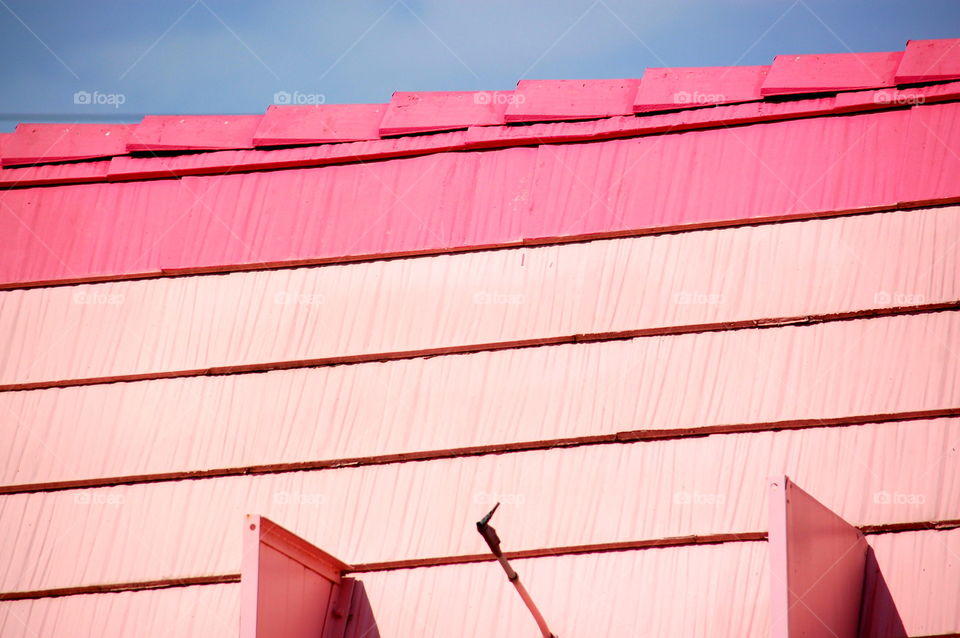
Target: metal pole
[(493, 541)]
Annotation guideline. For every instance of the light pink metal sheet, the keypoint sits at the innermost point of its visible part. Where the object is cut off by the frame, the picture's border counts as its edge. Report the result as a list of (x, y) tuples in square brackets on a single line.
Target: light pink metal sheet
[(427, 111), (539, 100), (830, 72), (210, 611), (916, 591), (815, 267), (930, 60), (193, 132), (683, 88), (555, 497), (313, 123), (817, 563), (34, 143), (750, 376)]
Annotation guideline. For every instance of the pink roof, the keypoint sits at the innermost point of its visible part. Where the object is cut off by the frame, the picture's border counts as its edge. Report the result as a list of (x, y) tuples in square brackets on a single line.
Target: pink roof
[(618, 324)]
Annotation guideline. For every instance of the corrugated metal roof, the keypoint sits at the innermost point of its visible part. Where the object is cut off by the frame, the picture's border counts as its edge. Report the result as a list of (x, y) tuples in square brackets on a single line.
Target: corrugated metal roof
[(615, 393)]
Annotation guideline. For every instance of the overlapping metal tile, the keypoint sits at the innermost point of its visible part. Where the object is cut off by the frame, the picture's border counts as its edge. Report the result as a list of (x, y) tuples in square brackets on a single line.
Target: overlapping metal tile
[(487, 398), (650, 490), (313, 124), (816, 267), (824, 73), (193, 132), (930, 61), (425, 112), (540, 100), (683, 88), (803, 167), (38, 143)]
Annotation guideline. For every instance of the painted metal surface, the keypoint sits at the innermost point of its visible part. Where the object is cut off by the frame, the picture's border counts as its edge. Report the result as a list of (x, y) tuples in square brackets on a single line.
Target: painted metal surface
[(539, 100), (753, 376), (699, 177), (823, 266), (35, 143), (288, 587), (193, 132), (54, 173), (830, 72), (936, 131), (316, 123), (649, 490), (930, 60), (817, 563), (610, 594), (683, 88), (428, 111)]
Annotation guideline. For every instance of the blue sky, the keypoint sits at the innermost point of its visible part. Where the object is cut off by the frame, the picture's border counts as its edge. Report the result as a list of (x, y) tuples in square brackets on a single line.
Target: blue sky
[(232, 56)]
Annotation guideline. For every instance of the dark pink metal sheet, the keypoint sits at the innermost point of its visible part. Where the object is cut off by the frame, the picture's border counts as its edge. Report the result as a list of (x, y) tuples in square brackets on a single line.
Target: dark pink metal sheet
[(931, 167), (683, 88), (193, 132), (817, 563), (539, 100), (311, 124), (639, 491), (37, 143), (830, 72), (798, 167), (772, 169), (423, 112), (929, 61), (45, 174), (62, 232)]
